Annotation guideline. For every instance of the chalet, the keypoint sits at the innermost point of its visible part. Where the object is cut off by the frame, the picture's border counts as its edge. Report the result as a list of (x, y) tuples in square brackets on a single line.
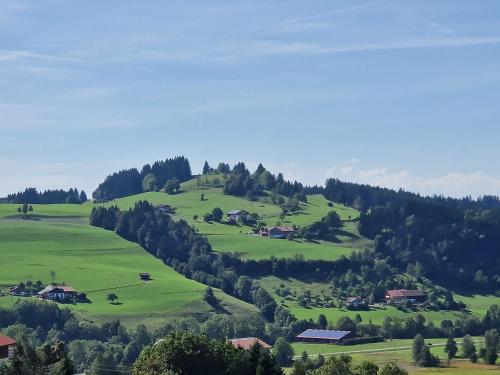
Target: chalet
[(277, 232), (58, 293), (18, 291), (323, 336), (356, 303), (247, 343), (7, 347), (144, 276), (398, 296), (235, 215)]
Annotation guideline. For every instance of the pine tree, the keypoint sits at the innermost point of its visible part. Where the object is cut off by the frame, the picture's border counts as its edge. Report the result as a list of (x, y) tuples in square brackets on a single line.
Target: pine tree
[(206, 168)]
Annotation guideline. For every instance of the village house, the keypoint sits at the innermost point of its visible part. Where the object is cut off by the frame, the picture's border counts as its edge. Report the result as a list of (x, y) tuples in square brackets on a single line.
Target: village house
[(323, 336), (247, 343), (60, 293), (18, 291), (277, 232), (235, 215), (7, 347), (356, 303), (399, 296)]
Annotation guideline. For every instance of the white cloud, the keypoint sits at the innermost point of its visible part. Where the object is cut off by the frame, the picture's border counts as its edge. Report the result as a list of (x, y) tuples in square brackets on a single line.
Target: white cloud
[(456, 184)]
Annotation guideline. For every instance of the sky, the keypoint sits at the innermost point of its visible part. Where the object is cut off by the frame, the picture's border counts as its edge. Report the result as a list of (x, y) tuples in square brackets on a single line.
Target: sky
[(396, 93)]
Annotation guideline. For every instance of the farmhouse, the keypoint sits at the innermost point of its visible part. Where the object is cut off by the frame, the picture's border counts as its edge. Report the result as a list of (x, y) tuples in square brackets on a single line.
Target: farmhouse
[(18, 291), (7, 346), (58, 293), (399, 296), (247, 343), (235, 215), (277, 232), (323, 336), (356, 303), (145, 276)]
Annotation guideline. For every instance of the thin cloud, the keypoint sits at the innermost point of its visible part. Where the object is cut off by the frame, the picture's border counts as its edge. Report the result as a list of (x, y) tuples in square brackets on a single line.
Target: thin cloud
[(307, 18), (12, 55)]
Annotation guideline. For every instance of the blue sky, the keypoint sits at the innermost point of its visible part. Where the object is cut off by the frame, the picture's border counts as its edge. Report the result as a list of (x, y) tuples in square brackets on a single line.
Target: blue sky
[(394, 93)]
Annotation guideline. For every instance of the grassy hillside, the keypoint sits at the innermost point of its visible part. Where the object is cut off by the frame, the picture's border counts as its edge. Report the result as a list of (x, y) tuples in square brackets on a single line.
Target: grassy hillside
[(477, 305), (238, 238), (98, 262)]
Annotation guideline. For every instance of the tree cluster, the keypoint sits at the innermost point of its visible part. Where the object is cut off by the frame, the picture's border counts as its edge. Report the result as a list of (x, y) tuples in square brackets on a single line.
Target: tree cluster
[(33, 196), (151, 177)]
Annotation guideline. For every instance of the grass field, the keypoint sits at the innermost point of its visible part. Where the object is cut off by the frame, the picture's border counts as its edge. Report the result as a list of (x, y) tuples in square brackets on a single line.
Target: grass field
[(398, 351), (58, 237), (98, 262), (477, 305), (240, 239)]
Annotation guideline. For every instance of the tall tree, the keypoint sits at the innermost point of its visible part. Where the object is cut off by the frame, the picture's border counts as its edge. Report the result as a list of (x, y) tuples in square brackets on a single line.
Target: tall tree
[(450, 349), (206, 168)]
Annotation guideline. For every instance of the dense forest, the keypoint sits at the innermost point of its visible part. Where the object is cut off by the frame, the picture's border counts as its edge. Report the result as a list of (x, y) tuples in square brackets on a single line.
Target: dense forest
[(454, 240), (33, 196), (150, 178)]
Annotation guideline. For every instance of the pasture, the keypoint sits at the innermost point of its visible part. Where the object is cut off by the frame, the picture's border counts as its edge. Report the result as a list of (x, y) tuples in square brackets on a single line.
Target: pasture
[(238, 238), (476, 305), (98, 262), (399, 351)]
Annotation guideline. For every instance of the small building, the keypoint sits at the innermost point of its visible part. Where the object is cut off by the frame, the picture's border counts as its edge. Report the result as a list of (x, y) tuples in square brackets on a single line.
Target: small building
[(7, 347), (235, 215), (356, 303), (399, 296), (58, 293), (323, 336), (17, 291), (247, 343), (277, 232), (145, 276)]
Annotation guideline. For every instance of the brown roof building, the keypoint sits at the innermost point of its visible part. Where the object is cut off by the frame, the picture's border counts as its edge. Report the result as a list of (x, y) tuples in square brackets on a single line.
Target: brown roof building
[(247, 343), (403, 295), (7, 346)]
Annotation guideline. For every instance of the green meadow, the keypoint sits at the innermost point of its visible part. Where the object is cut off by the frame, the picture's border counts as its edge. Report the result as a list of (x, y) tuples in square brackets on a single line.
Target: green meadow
[(58, 238), (240, 239), (98, 262), (399, 351), (476, 305)]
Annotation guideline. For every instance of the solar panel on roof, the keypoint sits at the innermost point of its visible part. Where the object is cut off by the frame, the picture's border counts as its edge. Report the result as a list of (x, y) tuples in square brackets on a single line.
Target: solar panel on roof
[(323, 334)]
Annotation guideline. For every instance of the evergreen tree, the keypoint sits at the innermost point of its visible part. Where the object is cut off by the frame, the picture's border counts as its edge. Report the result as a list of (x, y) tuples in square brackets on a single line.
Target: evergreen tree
[(491, 342), (468, 347), (451, 349), (206, 168)]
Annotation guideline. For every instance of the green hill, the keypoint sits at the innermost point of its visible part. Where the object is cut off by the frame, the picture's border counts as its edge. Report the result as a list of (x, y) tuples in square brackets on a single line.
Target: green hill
[(58, 238), (99, 262)]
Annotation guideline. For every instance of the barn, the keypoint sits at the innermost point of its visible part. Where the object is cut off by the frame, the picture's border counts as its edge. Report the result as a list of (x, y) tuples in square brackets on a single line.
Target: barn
[(324, 336)]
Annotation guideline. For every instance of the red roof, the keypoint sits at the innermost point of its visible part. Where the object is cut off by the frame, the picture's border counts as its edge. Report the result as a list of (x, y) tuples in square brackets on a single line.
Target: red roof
[(6, 341), (248, 342), (404, 293)]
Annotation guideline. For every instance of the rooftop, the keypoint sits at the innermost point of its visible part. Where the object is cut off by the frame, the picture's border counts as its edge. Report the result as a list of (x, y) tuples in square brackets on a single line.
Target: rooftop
[(323, 334), (247, 342), (6, 341)]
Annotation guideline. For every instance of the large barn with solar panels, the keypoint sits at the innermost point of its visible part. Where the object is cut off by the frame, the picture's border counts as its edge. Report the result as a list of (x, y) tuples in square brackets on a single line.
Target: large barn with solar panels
[(323, 336)]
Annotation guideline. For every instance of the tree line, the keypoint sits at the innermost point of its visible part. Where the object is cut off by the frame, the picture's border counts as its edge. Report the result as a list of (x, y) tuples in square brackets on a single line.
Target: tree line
[(33, 196), (151, 177), (455, 241)]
